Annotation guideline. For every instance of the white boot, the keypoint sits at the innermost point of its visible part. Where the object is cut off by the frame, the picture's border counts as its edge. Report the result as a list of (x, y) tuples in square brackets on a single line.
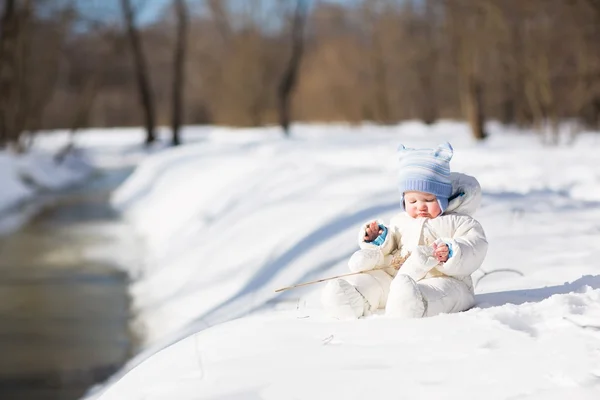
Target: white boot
[(343, 301), (405, 299)]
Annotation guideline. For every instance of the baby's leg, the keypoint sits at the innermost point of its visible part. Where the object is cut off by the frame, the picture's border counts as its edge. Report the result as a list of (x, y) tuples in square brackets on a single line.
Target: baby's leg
[(405, 298), (429, 297), (374, 286), (445, 295), (356, 295)]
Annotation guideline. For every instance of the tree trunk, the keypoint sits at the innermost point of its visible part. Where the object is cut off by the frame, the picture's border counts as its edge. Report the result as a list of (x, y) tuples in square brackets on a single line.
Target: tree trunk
[(595, 102), (474, 108), (426, 68), (465, 21), (15, 25), (82, 115), (8, 33), (141, 71), (290, 76), (179, 73), (85, 103), (428, 110)]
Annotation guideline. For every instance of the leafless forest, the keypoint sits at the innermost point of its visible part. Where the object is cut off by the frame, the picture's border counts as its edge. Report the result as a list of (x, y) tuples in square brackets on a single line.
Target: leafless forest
[(257, 62)]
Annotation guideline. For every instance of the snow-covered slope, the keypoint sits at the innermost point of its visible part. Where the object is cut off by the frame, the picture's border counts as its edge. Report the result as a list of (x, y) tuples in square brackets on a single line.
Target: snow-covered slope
[(23, 177), (242, 212), (548, 348)]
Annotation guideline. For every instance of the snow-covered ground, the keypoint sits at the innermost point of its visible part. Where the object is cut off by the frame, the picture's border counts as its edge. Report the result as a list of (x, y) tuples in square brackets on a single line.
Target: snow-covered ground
[(545, 349), (236, 214), (24, 177)]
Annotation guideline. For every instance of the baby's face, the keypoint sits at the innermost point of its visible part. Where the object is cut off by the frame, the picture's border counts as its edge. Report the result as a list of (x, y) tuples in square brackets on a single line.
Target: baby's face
[(421, 205)]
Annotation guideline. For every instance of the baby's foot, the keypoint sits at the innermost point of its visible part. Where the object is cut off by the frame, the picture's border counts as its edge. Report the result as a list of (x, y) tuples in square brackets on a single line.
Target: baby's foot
[(405, 299), (365, 259), (343, 301)]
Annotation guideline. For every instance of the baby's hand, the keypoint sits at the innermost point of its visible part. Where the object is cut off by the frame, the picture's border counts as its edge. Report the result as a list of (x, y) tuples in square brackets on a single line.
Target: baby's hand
[(372, 231), (440, 252)]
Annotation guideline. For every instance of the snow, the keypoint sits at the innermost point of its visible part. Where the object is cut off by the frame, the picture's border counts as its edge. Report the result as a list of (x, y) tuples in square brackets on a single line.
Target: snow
[(238, 213), (14, 190), (546, 348), (28, 178), (24, 177)]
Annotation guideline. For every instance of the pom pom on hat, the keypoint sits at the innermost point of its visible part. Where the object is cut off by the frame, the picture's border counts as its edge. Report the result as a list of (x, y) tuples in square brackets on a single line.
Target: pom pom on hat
[(426, 170)]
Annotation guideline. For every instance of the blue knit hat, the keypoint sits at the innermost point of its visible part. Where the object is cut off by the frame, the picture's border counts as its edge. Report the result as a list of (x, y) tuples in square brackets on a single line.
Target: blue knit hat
[(426, 170)]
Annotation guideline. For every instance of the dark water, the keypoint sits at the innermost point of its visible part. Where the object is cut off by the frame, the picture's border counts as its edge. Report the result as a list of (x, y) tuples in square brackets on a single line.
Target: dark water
[(64, 307)]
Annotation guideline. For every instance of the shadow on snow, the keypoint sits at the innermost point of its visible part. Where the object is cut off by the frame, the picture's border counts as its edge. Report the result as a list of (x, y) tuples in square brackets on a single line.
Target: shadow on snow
[(497, 299)]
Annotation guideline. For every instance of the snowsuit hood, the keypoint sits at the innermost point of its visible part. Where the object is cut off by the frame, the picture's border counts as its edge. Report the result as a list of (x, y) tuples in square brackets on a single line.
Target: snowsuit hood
[(466, 195)]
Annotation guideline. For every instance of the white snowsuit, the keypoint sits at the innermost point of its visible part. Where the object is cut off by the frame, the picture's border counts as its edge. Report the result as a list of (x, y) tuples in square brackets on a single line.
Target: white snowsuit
[(422, 286)]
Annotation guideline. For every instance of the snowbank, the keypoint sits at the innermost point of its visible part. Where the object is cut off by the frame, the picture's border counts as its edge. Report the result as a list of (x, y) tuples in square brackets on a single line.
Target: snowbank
[(240, 213), (545, 349), (27, 176), (14, 189), (23, 177)]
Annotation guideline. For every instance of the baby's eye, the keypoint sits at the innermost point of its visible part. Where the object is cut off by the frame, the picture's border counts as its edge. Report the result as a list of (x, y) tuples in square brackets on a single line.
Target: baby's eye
[(412, 201), (430, 200)]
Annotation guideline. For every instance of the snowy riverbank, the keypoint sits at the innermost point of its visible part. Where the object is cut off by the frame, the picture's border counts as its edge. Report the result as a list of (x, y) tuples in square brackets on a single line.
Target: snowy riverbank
[(27, 178), (239, 213), (24, 177)]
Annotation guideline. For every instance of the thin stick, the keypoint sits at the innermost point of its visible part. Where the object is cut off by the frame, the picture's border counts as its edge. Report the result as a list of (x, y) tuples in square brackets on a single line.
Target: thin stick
[(326, 279), (397, 262)]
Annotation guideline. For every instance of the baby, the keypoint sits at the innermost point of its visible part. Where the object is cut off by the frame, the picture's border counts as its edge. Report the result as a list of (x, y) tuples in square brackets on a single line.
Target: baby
[(436, 234)]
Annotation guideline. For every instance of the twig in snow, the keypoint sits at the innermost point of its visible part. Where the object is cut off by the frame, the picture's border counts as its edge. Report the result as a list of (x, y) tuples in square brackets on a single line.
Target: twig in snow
[(583, 326), (397, 262), (485, 273), (327, 340)]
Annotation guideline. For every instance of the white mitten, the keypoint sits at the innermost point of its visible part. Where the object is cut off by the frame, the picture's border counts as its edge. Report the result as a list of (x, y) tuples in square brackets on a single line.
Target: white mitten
[(365, 259), (420, 262)]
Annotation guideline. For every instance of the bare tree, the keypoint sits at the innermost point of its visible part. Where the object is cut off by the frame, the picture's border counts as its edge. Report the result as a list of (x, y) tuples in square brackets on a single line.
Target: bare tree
[(465, 22), (243, 91), (141, 71), (11, 44), (592, 109), (536, 62), (91, 75), (179, 69), (290, 75), (7, 30), (221, 18), (425, 60), (378, 61)]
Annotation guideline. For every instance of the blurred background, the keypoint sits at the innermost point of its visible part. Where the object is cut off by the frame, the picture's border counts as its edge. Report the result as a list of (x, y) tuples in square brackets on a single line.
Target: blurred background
[(76, 64), (68, 67)]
